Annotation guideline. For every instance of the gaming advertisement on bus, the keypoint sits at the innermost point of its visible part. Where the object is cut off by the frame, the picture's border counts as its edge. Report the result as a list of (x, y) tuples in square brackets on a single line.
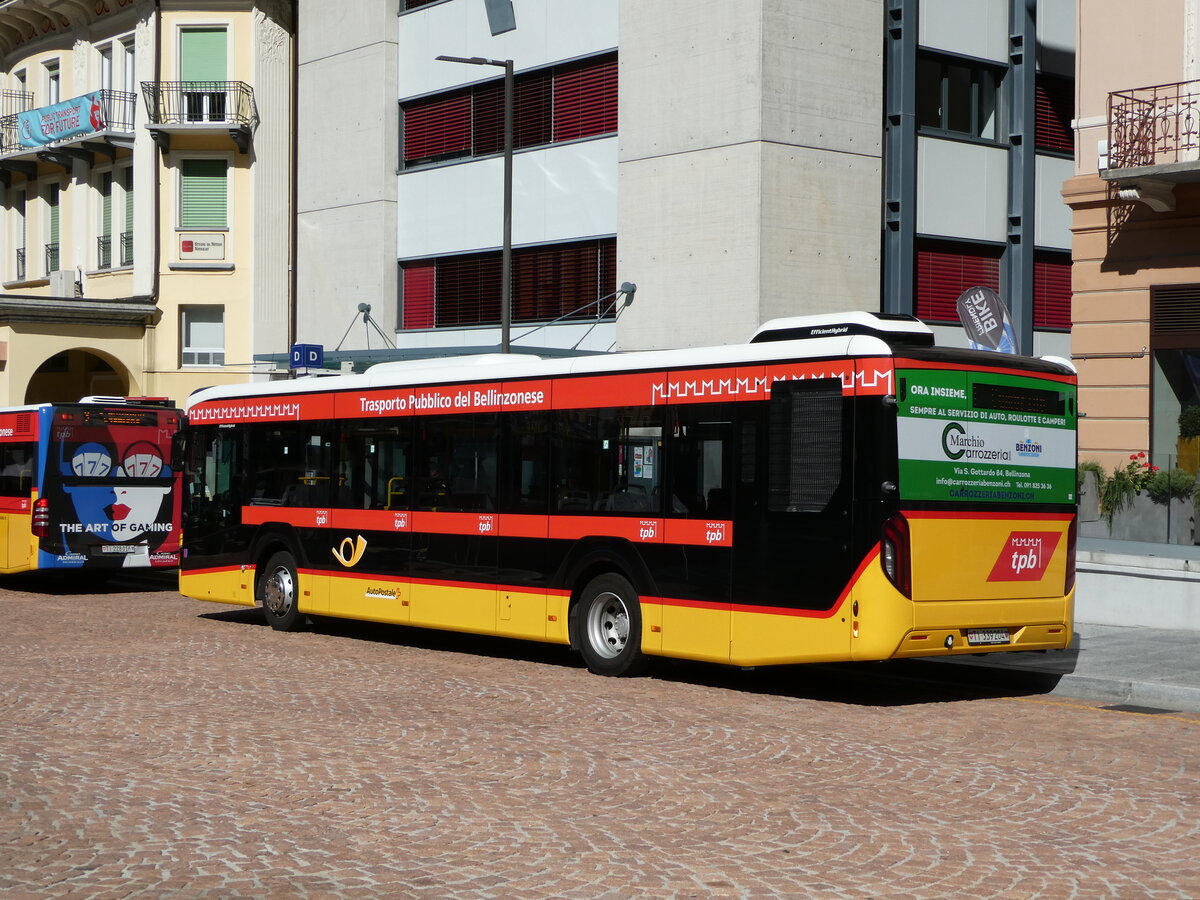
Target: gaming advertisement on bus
[(111, 492), (985, 437)]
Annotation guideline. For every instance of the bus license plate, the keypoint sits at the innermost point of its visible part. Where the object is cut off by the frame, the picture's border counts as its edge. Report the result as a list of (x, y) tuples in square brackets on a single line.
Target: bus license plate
[(978, 636)]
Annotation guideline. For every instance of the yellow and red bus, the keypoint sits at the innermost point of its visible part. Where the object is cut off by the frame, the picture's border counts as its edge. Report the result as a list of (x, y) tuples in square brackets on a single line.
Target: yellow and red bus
[(89, 485), (836, 489)]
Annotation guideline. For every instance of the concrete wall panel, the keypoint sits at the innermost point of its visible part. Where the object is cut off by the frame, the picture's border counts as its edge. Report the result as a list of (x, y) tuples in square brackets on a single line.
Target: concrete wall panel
[(1052, 220), (345, 258), (970, 27), (962, 190), (1056, 36), (690, 239), (690, 75), (822, 66), (820, 238)]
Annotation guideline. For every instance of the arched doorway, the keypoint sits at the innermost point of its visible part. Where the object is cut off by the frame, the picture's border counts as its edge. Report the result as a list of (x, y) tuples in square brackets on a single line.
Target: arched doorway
[(71, 374)]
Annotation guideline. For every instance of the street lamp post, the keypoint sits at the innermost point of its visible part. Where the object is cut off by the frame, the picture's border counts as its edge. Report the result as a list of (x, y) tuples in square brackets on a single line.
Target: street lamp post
[(506, 247)]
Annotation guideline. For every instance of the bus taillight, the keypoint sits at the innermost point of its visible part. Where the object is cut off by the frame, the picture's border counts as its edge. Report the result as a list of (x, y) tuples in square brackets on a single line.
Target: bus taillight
[(39, 524), (895, 553)]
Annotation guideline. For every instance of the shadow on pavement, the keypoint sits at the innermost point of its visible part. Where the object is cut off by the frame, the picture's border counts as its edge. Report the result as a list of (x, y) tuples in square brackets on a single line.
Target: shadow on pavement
[(892, 683), (92, 582)]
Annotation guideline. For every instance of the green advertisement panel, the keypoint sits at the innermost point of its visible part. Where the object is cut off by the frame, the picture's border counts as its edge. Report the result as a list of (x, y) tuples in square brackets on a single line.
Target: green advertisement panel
[(985, 436)]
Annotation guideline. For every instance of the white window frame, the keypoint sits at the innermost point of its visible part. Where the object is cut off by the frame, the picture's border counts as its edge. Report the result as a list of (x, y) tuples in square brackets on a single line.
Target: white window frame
[(184, 349), (44, 186), (229, 230), (18, 230), (207, 101), (118, 224), (53, 70)]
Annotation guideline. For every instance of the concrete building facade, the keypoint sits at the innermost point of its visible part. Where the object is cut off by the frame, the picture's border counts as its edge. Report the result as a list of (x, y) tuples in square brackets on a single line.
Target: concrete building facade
[(736, 161), (145, 176)]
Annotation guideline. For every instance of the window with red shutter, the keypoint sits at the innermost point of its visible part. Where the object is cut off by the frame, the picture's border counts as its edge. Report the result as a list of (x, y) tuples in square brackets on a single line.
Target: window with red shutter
[(1051, 289), (1054, 109), (585, 99), (945, 269), (437, 128), (562, 103), (574, 280), (418, 292)]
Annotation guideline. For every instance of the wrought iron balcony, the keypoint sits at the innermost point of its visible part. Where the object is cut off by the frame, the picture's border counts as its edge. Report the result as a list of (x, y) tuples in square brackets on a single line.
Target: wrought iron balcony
[(179, 106), (1155, 127), (51, 258), (20, 264), (127, 248), (114, 115), (104, 251)]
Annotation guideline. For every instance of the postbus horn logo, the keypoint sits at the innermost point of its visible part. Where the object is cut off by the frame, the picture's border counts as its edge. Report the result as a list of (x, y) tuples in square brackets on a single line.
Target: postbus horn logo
[(349, 552)]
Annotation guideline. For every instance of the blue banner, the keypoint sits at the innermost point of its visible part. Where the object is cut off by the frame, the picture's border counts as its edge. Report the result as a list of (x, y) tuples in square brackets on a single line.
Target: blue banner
[(70, 118)]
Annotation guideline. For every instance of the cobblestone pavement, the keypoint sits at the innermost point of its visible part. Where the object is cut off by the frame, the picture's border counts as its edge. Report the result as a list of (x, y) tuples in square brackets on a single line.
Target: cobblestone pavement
[(155, 746)]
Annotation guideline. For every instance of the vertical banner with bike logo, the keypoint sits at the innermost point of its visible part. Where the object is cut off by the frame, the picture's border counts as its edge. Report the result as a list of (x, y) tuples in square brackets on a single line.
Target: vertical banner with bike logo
[(983, 436)]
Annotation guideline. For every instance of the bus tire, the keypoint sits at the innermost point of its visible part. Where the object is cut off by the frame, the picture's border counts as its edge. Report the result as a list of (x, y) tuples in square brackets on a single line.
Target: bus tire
[(278, 592), (609, 626)]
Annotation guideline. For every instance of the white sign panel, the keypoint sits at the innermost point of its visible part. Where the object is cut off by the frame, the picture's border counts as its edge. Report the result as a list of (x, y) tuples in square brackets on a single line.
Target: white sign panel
[(195, 246)]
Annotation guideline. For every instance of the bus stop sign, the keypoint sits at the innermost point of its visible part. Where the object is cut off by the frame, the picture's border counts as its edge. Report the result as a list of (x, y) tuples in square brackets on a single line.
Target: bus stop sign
[(308, 356)]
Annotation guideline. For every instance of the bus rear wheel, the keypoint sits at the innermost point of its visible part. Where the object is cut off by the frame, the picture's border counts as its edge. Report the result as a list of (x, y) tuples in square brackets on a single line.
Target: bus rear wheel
[(278, 593), (609, 626)]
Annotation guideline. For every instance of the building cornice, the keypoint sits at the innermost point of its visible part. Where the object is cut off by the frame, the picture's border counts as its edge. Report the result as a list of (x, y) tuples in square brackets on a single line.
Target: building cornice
[(124, 312)]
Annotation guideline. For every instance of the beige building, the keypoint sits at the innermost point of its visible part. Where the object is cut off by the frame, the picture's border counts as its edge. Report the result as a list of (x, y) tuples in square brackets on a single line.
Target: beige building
[(145, 184), (1134, 201)]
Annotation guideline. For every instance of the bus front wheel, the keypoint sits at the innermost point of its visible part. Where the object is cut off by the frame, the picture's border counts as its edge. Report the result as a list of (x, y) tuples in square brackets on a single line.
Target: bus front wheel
[(609, 626), (278, 592)]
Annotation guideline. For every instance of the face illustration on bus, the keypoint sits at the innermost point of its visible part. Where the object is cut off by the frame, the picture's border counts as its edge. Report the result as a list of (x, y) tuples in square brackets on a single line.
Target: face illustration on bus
[(112, 509)]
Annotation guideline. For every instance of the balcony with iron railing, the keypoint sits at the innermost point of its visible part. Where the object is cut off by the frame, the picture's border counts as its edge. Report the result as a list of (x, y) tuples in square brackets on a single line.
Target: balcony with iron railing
[(104, 250), (180, 107), (1153, 141), (51, 258), (20, 264), (110, 118)]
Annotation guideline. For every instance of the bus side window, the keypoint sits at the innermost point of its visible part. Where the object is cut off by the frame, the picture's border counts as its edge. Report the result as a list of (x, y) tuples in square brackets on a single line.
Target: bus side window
[(804, 444), (526, 438), (16, 469), (373, 466), (456, 462), (701, 453), (608, 461)]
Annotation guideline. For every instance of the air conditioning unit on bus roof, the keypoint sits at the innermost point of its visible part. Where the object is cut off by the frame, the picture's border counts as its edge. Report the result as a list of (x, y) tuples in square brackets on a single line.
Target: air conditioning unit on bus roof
[(895, 329)]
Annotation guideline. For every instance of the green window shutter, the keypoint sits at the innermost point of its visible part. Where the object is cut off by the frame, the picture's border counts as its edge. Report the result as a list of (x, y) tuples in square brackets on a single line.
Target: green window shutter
[(106, 183), (53, 203), (204, 195), (203, 55), (129, 199)]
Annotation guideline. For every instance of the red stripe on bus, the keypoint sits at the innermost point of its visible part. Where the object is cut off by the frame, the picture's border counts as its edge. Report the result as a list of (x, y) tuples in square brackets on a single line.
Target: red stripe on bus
[(643, 530), (15, 505), (997, 369), (683, 386), (19, 427), (216, 570)]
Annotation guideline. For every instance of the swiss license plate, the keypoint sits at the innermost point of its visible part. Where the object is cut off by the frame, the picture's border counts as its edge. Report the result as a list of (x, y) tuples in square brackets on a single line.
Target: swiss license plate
[(979, 636)]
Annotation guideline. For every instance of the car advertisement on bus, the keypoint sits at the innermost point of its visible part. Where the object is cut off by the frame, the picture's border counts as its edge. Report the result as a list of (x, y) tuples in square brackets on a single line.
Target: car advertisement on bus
[(985, 436)]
